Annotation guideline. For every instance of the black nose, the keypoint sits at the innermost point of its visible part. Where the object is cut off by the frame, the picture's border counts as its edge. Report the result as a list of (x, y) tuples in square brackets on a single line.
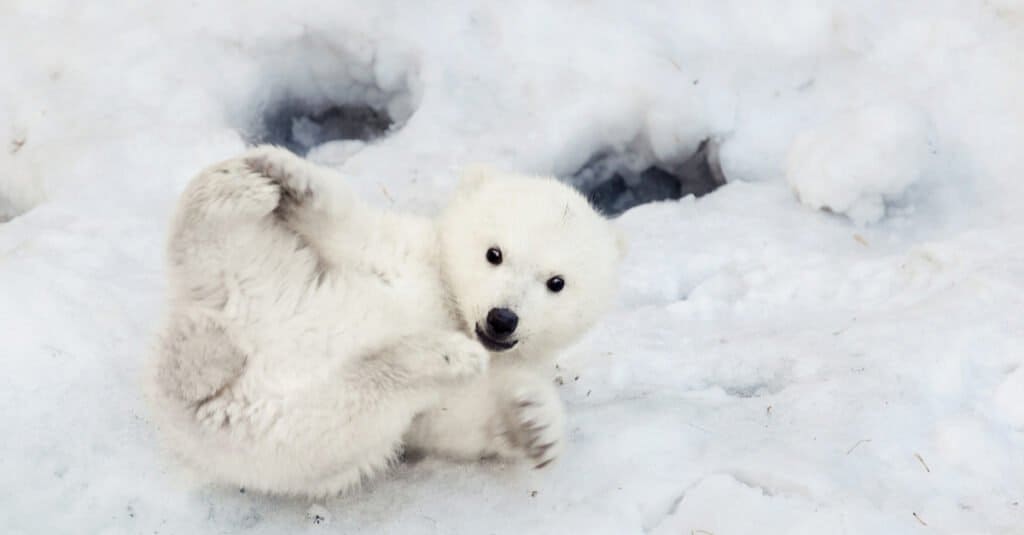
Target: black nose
[(502, 321)]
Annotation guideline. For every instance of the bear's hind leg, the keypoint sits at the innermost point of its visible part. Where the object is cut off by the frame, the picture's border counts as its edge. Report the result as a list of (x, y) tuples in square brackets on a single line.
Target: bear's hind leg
[(316, 202), (196, 360)]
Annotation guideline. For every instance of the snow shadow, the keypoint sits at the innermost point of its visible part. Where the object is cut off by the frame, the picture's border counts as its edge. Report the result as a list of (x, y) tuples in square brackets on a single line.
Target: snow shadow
[(300, 127), (616, 182)]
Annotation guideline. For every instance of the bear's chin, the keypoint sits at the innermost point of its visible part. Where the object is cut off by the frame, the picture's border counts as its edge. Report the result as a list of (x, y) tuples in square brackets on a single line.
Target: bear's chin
[(491, 344)]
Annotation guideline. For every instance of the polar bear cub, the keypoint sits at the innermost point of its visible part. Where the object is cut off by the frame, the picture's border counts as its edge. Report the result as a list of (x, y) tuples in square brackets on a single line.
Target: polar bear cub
[(311, 337)]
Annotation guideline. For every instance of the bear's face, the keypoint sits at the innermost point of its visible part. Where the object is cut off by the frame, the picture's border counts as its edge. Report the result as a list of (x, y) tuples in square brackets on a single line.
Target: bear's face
[(529, 263)]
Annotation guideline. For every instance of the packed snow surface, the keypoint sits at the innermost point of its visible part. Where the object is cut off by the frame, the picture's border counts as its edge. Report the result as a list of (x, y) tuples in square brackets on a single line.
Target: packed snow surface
[(771, 366)]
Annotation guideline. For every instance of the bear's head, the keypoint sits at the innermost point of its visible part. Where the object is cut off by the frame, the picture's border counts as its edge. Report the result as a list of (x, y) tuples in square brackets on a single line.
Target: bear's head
[(528, 262)]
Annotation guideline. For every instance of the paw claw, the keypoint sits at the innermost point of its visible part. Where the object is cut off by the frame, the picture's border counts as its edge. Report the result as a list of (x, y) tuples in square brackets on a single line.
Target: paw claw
[(213, 414), (533, 427), (538, 451), (283, 169)]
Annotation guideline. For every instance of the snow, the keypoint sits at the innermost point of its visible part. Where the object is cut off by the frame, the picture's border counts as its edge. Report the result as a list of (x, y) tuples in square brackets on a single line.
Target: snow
[(856, 164), (770, 367)]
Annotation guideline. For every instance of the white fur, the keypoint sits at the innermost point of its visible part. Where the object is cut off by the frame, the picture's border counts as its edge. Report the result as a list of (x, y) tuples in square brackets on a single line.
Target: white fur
[(310, 336)]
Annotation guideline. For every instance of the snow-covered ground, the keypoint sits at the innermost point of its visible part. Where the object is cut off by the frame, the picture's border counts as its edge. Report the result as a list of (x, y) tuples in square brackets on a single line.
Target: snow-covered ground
[(831, 343)]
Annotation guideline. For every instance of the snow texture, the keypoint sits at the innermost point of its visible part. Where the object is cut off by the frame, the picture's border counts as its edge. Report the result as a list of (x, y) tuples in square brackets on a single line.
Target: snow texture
[(770, 367)]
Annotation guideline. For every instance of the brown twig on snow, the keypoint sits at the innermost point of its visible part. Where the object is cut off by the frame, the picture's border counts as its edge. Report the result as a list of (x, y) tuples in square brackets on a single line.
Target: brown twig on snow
[(386, 194), (859, 442), (924, 464)]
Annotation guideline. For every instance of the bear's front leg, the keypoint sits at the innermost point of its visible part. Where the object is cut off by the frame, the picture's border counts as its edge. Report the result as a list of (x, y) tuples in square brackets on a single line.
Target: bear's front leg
[(423, 360), (531, 425), (196, 359), (508, 414)]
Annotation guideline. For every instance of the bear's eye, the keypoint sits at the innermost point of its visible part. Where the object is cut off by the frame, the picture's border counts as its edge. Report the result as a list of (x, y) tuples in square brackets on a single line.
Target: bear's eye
[(555, 284), (494, 255)]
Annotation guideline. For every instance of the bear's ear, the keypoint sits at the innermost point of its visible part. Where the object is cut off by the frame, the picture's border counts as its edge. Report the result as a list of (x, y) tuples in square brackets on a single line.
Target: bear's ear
[(473, 176), (621, 243)]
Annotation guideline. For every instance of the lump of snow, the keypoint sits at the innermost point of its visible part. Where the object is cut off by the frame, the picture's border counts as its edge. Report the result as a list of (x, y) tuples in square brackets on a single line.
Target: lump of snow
[(334, 153), (857, 162)]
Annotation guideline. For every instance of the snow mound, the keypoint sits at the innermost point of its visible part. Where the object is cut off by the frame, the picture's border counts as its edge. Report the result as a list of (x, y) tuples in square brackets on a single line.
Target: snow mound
[(858, 162)]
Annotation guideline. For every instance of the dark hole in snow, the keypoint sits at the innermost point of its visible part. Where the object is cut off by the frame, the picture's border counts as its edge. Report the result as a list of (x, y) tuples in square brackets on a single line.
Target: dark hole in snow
[(299, 129), (615, 183)]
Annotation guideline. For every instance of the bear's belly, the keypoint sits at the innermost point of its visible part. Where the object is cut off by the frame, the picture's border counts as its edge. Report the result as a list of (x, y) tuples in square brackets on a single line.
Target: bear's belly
[(295, 337)]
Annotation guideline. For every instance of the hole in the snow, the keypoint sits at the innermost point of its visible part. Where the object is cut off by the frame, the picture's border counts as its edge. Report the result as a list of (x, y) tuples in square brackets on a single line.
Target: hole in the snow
[(616, 182), (299, 128), (331, 92)]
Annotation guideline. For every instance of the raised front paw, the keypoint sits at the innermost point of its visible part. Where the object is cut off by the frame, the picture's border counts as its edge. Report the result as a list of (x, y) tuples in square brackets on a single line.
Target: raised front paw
[(308, 192), (533, 425), (462, 356), (288, 171)]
